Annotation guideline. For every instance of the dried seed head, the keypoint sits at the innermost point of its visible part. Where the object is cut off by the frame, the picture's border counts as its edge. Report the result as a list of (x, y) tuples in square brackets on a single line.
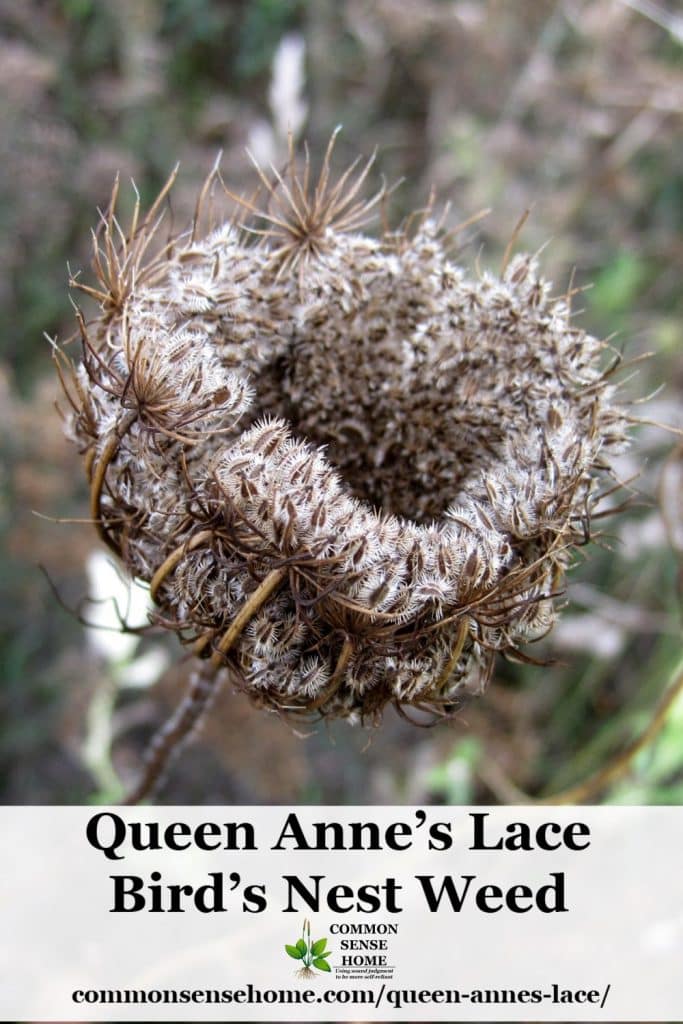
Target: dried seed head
[(303, 218), (351, 473)]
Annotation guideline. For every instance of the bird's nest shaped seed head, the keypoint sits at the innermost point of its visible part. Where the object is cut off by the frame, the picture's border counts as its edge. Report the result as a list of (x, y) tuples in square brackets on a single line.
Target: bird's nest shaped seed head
[(350, 472)]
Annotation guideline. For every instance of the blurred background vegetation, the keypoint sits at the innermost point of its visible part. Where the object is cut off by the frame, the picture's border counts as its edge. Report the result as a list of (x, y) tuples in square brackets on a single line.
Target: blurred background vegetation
[(570, 108)]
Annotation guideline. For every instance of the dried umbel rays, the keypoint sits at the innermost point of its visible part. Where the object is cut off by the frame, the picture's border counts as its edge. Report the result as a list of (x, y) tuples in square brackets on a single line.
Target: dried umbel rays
[(350, 472)]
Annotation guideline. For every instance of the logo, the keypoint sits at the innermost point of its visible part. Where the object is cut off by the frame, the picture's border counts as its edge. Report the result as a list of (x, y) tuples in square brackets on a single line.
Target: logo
[(311, 954)]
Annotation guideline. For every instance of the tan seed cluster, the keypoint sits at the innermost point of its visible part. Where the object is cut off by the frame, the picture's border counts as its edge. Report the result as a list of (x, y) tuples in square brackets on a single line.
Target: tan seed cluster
[(350, 472)]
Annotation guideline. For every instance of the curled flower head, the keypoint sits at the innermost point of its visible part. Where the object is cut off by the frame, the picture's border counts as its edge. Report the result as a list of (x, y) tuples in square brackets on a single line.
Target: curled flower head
[(350, 472)]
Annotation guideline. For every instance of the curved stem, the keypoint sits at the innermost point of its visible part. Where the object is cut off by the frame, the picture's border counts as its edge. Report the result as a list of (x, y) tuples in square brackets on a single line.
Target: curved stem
[(100, 472), (620, 764), (176, 556), (204, 686), (201, 642), (460, 639), (337, 677), (167, 743), (492, 775), (271, 582)]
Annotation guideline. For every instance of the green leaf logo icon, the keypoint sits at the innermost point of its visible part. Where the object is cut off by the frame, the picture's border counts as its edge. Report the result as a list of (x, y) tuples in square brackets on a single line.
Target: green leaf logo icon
[(312, 954)]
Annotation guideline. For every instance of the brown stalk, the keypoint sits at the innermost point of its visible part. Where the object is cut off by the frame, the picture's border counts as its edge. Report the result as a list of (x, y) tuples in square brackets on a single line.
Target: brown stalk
[(256, 600), (169, 564), (620, 764), (100, 472), (460, 639), (203, 688), (337, 677)]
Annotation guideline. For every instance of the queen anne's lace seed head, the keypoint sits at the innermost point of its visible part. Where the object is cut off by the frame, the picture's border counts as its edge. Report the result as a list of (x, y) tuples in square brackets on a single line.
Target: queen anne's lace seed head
[(350, 473)]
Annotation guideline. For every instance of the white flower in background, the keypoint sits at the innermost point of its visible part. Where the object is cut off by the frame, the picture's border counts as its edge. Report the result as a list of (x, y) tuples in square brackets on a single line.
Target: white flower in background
[(288, 108), (285, 95), (115, 600), (589, 634), (261, 142), (641, 535), (144, 670)]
